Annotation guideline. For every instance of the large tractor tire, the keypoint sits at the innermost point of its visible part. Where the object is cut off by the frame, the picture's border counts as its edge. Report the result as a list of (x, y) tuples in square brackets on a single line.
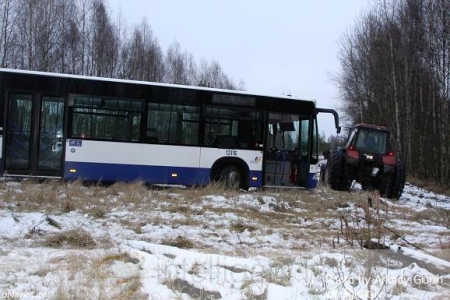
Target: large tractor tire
[(392, 185), (335, 170), (386, 186), (348, 177), (399, 181)]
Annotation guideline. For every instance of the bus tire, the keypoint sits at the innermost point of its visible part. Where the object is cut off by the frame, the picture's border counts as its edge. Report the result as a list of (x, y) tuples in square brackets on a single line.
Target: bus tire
[(231, 177)]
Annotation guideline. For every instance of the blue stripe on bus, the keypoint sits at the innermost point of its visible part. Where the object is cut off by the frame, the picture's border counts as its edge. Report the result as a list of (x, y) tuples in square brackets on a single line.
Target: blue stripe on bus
[(121, 172), (150, 174), (255, 175)]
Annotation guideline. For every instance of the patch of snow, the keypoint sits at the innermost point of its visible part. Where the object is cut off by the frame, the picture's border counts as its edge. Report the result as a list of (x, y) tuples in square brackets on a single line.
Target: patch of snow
[(235, 264)]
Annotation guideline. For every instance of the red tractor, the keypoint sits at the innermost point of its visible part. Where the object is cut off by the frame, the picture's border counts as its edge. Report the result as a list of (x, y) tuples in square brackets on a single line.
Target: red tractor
[(367, 158)]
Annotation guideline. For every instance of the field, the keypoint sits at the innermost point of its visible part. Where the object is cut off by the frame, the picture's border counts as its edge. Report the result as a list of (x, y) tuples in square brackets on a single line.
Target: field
[(129, 241)]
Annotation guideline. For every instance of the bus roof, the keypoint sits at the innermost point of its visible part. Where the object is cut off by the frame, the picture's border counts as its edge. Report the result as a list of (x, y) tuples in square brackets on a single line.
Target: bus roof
[(129, 81)]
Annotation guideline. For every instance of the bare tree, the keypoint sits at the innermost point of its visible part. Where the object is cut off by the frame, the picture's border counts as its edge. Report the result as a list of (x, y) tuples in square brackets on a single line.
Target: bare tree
[(395, 71), (67, 47), (143, 56), (9, 15), (211, 75), (122, 37), (176, 65), (82, 36), (38, 34), (78, 37), (105, 52)]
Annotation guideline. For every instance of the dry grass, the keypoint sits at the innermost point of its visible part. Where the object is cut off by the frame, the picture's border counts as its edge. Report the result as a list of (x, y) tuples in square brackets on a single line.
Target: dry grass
[(135, 192), (92, 276), (107, 259), (32, 196), (291, 210), (215, 188), (443, 252), (435, 216), (248, 290), (180, 242), (184, 287), (234, 269), (280, 271), (315, 217), (60, 197), (429, 185), (241, 227), (75, 238)]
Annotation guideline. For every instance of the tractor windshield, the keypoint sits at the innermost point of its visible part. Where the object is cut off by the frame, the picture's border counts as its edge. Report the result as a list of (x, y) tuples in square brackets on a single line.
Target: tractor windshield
[(371, 141)]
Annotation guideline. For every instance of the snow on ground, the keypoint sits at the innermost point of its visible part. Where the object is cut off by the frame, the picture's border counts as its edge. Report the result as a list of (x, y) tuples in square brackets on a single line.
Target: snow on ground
[(73, 241), (420, 199)]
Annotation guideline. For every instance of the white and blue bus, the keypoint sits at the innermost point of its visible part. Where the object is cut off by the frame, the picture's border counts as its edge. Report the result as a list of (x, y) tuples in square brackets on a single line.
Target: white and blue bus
[(97, 129)]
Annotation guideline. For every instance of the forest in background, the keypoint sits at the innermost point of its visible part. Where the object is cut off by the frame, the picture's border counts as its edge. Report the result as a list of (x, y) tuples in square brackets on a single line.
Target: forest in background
[(395, 64), (395, 68), (80, 37)]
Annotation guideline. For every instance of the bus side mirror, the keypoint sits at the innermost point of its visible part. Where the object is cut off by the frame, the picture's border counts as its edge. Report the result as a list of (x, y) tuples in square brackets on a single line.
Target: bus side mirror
[(335, 115)]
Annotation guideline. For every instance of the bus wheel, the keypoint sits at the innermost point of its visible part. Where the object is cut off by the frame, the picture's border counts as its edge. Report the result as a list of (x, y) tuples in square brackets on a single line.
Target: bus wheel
[(231, 177)]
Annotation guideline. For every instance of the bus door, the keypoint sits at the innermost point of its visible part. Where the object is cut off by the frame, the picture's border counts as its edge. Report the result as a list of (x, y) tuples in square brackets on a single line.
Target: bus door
[(34, 135), (308, 151), (284, 166)]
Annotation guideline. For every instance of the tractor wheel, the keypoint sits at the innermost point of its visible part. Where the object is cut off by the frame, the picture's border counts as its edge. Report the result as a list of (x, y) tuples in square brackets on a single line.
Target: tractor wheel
[(386, 186), (366, 187), (335, 170), (231, 177), (347, 179), (399, 181)]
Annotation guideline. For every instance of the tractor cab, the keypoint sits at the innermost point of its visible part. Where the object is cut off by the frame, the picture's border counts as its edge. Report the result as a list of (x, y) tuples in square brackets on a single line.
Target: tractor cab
[(365, 138), (369, 143)]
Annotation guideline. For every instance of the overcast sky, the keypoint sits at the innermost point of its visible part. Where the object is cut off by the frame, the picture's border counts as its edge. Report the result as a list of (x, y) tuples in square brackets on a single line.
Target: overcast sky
[(275, 47)]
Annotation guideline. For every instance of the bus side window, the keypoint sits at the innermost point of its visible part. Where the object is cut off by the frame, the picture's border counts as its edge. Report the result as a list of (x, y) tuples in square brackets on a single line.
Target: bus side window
[(172, 124), (243, 124), (106, 118)]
